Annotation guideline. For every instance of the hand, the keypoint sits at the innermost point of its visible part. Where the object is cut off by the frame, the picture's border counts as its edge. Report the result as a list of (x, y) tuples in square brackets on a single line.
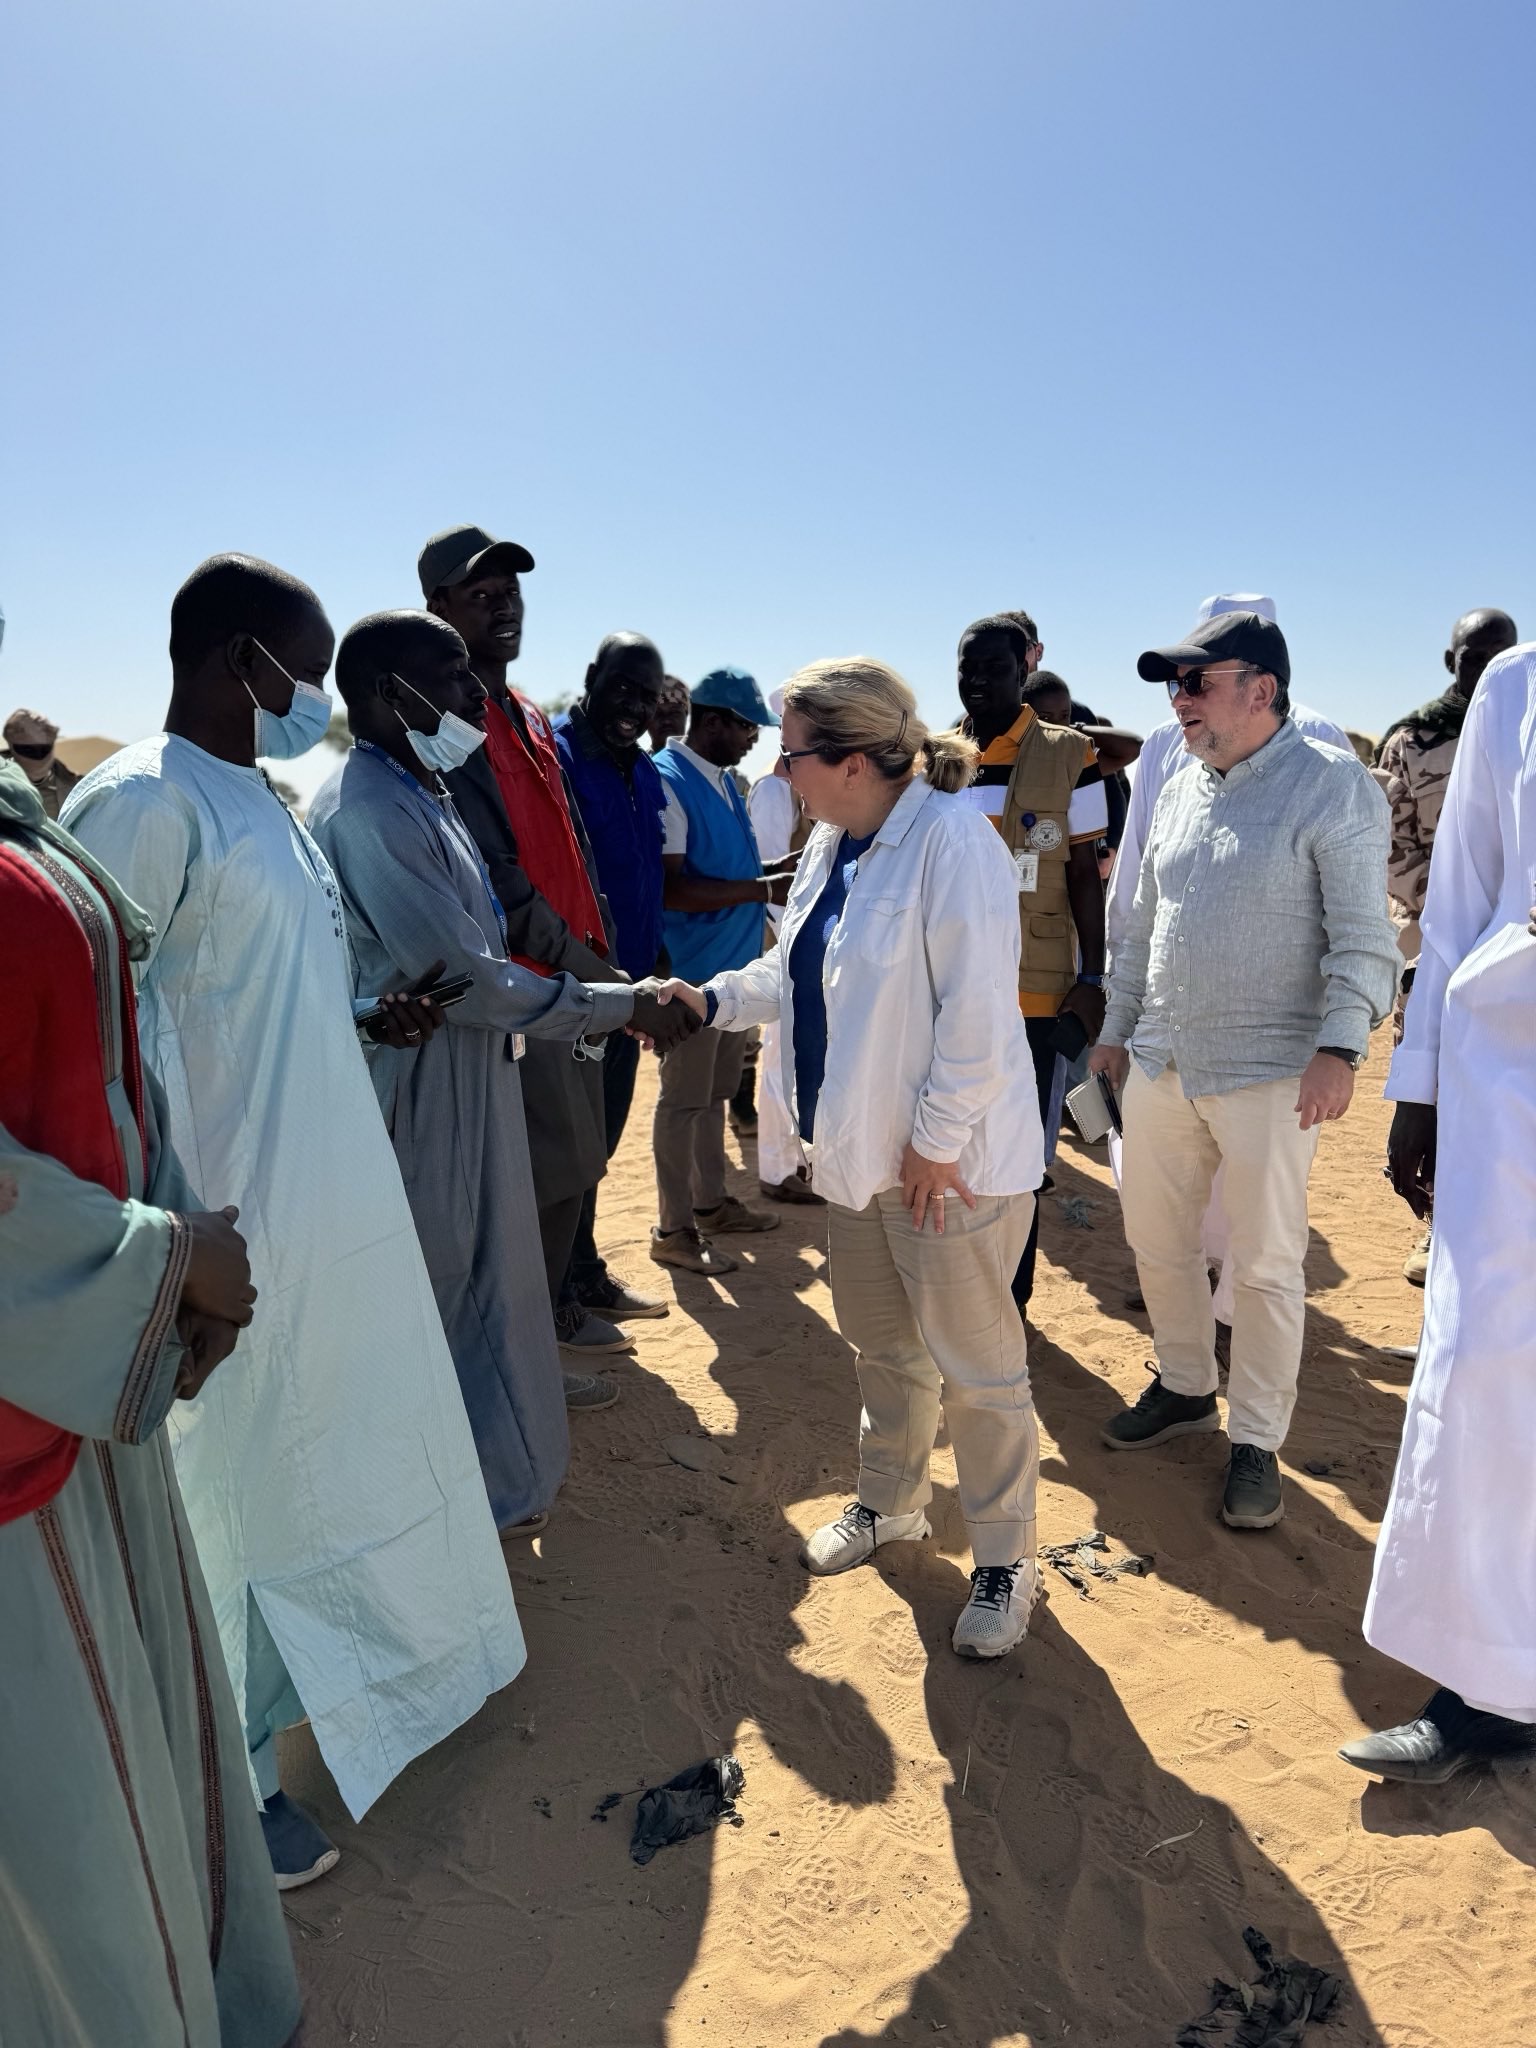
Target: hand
[(778, 887), (1411, 1155), (784, 865), (218, 1282), (684, 992), (924, 1184), (659, 1023), (1326, 1089), (410, 1017), (1087, 1004), (1114, 1062), (208, 1343)]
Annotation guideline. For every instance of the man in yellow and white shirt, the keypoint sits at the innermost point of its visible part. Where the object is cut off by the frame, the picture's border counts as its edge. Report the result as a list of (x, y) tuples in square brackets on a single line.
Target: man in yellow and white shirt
[(1042, 787)]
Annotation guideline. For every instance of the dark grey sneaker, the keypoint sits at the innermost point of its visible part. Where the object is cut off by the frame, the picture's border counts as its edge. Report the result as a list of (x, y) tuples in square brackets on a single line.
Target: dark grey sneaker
[(1449, 1736), (300, 1851), (1253, 1499), (1159, 1415)]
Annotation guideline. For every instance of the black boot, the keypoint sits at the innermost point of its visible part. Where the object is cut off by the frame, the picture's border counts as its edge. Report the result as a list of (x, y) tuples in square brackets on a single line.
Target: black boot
[(1449, 1736)]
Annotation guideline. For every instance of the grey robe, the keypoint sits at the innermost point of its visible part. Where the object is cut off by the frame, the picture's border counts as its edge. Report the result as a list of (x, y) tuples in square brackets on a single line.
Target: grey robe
[(137, 1906), (413, 892)]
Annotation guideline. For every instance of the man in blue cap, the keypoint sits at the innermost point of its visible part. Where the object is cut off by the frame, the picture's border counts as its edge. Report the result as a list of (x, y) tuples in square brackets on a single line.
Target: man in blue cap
[(715, 895)]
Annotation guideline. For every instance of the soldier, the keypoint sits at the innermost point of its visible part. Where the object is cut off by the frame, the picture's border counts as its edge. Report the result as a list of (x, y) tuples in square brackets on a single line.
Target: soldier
[(1415, 757)]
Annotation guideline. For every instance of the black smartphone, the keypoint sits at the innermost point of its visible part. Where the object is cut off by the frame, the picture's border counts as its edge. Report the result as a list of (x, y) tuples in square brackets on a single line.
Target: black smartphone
[(445, 995)]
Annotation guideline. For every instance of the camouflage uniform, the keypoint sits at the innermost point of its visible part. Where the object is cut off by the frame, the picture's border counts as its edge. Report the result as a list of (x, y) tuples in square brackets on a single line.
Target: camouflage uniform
[(1417, 762)]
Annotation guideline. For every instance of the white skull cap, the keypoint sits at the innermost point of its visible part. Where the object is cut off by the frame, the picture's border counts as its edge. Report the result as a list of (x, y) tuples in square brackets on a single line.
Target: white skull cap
[(1237, 601)]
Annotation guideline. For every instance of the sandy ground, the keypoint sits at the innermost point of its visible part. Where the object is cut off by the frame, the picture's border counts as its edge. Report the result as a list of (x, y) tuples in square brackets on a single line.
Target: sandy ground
[(935, 1851)]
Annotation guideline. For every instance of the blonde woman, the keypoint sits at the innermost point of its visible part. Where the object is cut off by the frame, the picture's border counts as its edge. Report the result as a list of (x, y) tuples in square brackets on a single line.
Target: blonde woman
[(895, 986)]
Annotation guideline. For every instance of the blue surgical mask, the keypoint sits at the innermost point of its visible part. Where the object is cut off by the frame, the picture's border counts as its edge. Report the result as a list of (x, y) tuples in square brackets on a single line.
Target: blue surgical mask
[(447, 748), (282, 736)]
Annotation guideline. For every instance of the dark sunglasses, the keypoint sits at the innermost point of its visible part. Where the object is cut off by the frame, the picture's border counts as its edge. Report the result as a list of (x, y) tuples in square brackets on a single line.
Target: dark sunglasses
[(1193, 685), (31, 753)]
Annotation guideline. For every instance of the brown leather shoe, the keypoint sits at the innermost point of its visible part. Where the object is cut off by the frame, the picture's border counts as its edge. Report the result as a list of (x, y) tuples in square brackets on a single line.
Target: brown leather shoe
[(690, 1253), (795, 1188), (732, 1216)]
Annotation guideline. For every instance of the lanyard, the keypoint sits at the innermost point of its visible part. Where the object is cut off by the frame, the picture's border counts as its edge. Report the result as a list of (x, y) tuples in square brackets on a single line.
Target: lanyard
[(448, 820)]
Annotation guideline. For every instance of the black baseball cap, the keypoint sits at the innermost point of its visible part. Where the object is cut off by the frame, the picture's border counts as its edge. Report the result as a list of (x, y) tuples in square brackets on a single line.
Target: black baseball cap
[(461, 552), (1230, 636)]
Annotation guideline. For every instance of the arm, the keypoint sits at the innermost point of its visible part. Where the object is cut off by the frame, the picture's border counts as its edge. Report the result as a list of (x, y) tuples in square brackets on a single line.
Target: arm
[(91, 1287), (970, 914), (1408, 859), (1146, 786), (1132, 956), (751, 994), (1465, 883), (146, 836), (395, 873), (1361, 962), (1085, 894), (712, 892), (533, 928)]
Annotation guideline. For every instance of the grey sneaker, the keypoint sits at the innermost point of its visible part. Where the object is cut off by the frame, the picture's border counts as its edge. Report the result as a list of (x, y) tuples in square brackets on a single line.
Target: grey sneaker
[(299, 1850), (856, 1535), (583, 1335), (997, 1613), (621, 1303), (1159, 1415), (589, 1390), (1253, 1499)]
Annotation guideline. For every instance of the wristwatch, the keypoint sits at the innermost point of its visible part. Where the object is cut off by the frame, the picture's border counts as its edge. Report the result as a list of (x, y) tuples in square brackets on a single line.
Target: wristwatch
[(1091, 980), (1353, 1060)]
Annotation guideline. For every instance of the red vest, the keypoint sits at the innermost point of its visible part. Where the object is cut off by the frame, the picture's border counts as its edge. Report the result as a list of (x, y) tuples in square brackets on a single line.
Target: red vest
[(533, 791), (53, 1100)]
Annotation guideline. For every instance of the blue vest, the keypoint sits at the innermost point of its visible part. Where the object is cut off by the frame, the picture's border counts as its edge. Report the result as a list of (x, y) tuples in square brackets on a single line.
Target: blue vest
[(622, 815), (720, 843)]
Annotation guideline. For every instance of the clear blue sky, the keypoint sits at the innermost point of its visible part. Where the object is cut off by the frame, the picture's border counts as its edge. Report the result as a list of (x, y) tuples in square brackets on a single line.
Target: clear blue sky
[(775, 330)]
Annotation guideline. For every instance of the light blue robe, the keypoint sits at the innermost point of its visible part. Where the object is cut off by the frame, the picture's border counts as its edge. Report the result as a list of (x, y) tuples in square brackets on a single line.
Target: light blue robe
[(414, 893), (328, 1466)]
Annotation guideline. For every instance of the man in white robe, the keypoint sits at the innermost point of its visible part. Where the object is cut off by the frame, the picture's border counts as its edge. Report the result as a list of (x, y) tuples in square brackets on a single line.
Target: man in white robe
[(1454, 1588), (1163, 754), (328, 1470)]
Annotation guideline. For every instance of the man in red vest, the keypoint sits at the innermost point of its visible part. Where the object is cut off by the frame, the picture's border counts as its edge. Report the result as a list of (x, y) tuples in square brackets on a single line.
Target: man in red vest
[(512, 796)]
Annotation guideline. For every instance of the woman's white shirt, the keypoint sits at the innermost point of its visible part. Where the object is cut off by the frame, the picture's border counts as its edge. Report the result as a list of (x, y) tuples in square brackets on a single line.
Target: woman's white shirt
[(925, 1043)]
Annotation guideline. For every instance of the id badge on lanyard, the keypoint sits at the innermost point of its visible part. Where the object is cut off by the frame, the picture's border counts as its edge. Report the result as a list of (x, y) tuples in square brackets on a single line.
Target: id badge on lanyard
[(1027, 867)]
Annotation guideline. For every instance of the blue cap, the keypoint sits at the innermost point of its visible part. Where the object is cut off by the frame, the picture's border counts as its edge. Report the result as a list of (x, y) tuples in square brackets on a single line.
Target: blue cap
[(732, 689)]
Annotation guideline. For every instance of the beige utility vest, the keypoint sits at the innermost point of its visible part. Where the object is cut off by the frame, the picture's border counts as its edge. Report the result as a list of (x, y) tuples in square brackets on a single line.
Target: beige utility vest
[(1044, 776)]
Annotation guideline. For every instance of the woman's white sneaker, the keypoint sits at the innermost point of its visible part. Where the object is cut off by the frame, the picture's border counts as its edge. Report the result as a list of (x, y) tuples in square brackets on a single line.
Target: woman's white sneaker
[(997, 1613), (856, 1535)]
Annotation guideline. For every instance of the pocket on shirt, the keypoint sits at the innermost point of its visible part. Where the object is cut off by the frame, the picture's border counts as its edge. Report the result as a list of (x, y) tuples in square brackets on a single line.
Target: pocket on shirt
[(1049, 925), (884, 930)]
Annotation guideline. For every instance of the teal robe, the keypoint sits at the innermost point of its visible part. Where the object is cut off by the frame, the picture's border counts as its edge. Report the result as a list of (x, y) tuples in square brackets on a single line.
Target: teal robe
[(137, 1904)]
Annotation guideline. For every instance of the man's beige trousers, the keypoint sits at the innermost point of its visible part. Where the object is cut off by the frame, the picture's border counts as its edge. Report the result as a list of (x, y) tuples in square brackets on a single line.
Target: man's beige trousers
[(1173, 1147)]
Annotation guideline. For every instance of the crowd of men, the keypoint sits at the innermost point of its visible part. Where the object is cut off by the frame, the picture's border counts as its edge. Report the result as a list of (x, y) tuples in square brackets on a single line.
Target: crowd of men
[(345, 1092)]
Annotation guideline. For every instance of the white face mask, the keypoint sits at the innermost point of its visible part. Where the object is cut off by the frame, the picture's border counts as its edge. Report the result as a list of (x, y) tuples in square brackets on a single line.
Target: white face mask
[(282, 736), (447, 748)]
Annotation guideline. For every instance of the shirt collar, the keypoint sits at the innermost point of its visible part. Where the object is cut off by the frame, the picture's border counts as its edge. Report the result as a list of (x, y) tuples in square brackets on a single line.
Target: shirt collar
[(1273, 750), (584, 735), (717, 776), (904, 812)]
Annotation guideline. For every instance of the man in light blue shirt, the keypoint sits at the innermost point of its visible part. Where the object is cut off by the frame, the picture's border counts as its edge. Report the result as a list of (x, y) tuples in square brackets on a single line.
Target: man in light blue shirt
[(1257, 959)]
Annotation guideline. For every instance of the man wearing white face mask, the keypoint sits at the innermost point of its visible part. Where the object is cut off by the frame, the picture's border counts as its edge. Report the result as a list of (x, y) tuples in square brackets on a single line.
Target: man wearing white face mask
[(329, 1471), (416, 889)]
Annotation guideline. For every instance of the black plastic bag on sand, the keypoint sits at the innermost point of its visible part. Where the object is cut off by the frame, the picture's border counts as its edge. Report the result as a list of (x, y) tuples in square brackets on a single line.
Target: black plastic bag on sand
[(1276, 2012), (690, 1804)]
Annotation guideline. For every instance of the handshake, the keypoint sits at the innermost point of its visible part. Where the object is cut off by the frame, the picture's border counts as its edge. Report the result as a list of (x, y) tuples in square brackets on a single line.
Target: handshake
[(665, 1013)]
